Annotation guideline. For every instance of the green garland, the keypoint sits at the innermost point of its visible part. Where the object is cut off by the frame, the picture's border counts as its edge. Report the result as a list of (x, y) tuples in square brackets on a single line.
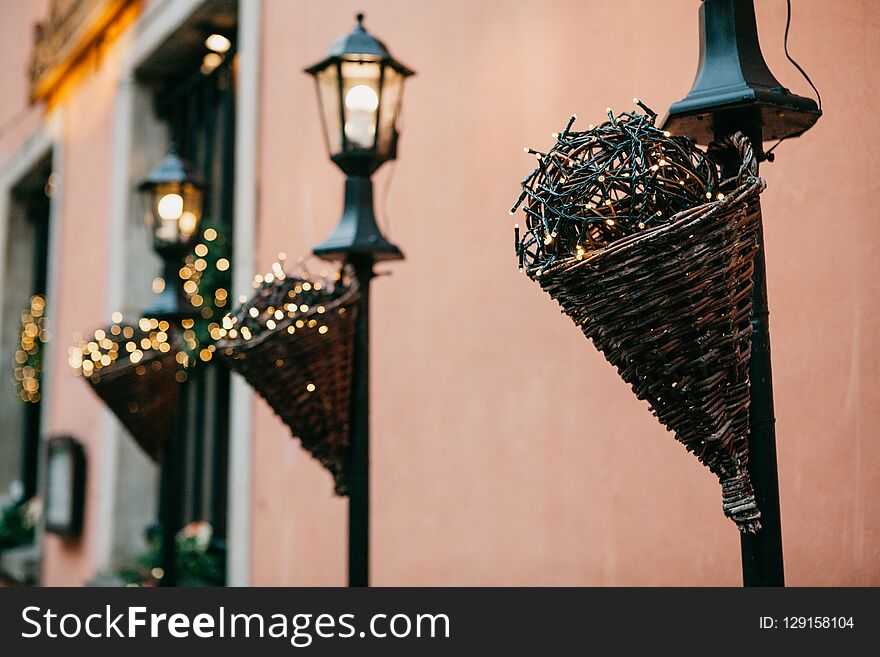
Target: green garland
[(207, 278)]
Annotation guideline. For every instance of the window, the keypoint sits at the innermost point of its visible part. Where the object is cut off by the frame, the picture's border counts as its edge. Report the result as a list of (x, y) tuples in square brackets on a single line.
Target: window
[(24, 330)]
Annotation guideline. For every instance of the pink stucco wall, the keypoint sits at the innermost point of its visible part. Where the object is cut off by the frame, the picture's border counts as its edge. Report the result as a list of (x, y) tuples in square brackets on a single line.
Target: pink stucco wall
[(81, 291), (18, 118), (490, 467)]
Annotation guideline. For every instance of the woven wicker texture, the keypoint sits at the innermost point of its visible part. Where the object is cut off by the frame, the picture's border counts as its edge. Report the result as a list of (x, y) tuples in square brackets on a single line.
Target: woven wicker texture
[(294, 345), (140, 384), (669, 306)]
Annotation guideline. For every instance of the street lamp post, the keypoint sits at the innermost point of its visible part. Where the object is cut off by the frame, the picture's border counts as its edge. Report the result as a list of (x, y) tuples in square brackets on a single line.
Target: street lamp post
[(735, 91), (173, 200), (359, 88)]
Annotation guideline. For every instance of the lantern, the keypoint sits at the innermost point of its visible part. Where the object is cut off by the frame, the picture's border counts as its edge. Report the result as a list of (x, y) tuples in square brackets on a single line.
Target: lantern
[(359, 88), (173, 198)]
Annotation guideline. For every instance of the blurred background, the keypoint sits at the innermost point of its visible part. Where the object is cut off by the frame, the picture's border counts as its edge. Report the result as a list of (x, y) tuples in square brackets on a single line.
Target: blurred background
[(489, 466)]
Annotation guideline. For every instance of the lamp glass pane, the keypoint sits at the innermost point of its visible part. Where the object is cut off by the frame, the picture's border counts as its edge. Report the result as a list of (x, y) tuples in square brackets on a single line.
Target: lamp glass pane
[(174, 213), (389, 110), (327, 82), (360, 94), (191, 217)]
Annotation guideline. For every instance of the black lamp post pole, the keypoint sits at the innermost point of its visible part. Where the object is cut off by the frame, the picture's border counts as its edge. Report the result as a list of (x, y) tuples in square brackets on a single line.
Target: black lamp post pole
[(171, 178), (169, 506), (762, 563), (359, 241), (734, 91), (169, 306), (359, 434), (762, 552)]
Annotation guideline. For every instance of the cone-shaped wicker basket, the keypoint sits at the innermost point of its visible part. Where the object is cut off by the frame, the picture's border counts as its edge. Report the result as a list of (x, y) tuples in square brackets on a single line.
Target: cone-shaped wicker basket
[(293, 342), (141, 386), (669, 306)]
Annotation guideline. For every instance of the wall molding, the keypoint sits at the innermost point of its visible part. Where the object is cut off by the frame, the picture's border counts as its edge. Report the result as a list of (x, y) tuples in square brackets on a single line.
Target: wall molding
[(240, 509)]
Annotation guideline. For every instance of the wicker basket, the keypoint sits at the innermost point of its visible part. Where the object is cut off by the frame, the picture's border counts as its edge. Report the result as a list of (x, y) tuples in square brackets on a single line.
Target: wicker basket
[(670, 308), (301, 364), (143, 395)]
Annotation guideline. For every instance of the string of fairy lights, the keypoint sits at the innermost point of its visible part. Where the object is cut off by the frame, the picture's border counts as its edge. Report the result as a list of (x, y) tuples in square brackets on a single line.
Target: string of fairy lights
[(205, 276), (136, 344), (28, 366), (281, 301), (596, 186)]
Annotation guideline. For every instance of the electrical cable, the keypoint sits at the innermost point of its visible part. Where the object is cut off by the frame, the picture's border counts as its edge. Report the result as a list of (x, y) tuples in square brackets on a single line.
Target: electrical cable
[(769, 153)]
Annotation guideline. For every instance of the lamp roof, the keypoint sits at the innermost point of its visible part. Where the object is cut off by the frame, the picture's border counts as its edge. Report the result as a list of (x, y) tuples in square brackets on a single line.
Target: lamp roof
[(734, 89), (172, 169), (359, 45)]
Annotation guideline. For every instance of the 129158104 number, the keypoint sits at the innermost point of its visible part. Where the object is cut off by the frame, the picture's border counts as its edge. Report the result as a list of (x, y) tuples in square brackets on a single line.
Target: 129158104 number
[(818, 622)]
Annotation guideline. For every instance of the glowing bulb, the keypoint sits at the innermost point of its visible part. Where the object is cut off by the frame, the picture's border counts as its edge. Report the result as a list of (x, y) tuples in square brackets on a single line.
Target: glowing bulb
[(362, 98), (188, 223), (218, 43), (170, 207), (361, 101)]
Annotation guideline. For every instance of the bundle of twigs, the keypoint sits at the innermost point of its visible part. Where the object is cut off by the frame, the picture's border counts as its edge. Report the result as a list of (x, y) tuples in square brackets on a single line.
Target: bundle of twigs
[(629, 230), (293, 341)]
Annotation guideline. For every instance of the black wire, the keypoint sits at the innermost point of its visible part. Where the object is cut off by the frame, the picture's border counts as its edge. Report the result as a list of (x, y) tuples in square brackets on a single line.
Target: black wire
[(791, 59), (769, 153)]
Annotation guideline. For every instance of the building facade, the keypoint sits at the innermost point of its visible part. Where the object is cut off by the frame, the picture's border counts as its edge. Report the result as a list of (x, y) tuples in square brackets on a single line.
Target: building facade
[(485, 469)]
